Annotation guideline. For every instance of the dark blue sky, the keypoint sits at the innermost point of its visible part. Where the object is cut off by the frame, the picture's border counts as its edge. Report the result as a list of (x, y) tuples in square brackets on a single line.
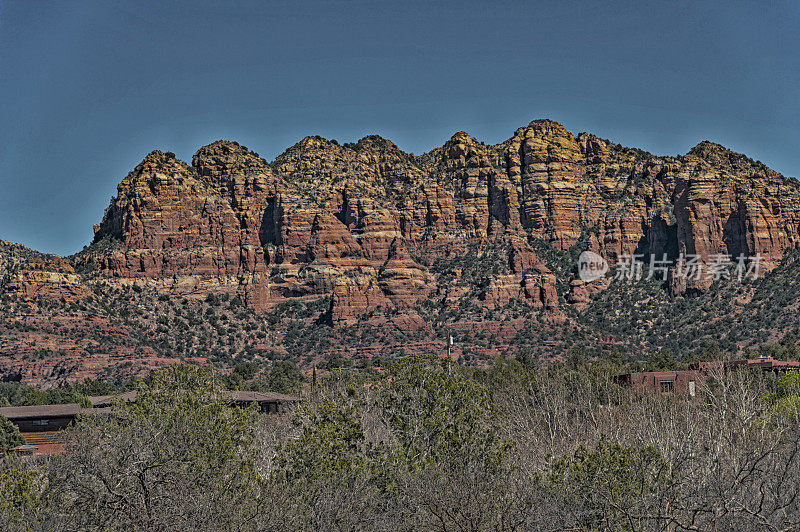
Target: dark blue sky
[(87, 89)]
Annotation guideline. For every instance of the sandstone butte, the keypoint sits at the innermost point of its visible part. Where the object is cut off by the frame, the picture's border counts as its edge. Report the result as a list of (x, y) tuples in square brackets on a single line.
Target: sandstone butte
[(361, 221), (364, 223)]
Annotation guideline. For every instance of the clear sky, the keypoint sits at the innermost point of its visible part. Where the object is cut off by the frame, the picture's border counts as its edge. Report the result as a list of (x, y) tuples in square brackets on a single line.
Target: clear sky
[(87, 89)]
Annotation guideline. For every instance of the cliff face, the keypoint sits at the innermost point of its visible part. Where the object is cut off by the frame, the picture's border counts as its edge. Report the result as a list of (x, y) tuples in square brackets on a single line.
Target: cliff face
[(359, 221), (726, 203), (54, 278), (190, 228), (387, 238), (14, 256)]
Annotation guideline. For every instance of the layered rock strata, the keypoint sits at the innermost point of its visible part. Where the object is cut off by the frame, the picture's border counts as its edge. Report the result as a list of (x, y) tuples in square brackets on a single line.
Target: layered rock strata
[(363, 222)]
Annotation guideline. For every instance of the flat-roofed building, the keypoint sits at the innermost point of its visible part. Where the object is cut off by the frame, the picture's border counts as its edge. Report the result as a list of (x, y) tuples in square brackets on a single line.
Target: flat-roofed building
[(268, 402), (41, 425), (681, 382), (687, 381)]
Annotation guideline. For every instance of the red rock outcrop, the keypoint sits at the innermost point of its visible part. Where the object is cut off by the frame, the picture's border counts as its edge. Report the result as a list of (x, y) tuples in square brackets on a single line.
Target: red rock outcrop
[(381, 244), (53, 278), (728, 204), (353, 297), (186, 226), (365, 222)]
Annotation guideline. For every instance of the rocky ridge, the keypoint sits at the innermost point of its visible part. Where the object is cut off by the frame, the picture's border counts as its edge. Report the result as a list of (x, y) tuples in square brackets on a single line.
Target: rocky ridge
[(322, 211), (366, 227)]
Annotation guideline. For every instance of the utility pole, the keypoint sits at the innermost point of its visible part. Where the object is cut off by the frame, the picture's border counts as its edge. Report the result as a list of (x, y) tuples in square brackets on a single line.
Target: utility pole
[(449, 358), (449, 344)]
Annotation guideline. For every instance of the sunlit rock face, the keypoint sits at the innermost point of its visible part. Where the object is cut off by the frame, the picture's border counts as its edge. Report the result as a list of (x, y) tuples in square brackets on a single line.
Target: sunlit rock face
[(365, 222), (376, 249)]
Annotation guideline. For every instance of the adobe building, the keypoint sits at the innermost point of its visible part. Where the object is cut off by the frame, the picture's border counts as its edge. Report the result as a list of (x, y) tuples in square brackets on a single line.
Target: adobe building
[(683, 382), (686, 382)]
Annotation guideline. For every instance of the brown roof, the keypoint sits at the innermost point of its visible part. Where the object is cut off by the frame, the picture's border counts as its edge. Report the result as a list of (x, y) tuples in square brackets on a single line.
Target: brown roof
[(105, 400), (101, 403), (46, 442), (236, 395), (39, 411), (664, 374), (261, 397), (25, 448)]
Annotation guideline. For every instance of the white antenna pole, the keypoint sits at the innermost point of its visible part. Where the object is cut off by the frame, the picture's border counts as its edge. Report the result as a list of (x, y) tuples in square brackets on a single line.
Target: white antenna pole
[(449, 358)]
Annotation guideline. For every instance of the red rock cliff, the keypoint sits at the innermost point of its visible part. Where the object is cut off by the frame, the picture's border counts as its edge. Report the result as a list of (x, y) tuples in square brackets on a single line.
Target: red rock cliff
[(364, 221)]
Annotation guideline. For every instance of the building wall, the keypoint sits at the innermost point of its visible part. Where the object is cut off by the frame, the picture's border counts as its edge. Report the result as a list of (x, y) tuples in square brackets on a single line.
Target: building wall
[(677, 382), (44, 424)]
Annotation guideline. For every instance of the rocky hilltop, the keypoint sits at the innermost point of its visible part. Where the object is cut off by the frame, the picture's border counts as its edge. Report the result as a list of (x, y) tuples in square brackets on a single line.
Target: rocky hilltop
[(361, 221), (13, 255), (363, 228)]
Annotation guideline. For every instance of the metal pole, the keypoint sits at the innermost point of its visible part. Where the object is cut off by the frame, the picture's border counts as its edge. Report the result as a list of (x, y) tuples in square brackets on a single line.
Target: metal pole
[(449, 358)]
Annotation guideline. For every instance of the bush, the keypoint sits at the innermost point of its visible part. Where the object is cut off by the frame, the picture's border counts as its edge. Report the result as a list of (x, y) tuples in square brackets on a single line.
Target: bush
[(284, 377), (178, 455), (9, 435), (21, 497), (611, 483)]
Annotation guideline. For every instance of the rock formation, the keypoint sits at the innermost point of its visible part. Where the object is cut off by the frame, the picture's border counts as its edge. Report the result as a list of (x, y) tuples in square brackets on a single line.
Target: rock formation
[(369, 227), (54, 279), (321, 211)]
